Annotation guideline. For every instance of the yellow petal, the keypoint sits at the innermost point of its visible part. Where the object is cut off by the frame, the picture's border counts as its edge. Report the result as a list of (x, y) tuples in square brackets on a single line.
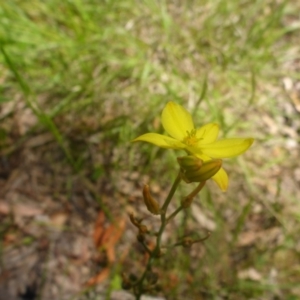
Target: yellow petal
[(160, 140), (176, 121), (208, 133), (221, 179), (226, 148)]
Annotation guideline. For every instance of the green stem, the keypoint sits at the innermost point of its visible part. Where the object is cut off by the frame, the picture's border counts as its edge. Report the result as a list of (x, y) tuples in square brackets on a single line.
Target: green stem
[(187, 201), (155, 253), (174, 213), (164, 209), (195, 192), (146, 248), (171, 194)]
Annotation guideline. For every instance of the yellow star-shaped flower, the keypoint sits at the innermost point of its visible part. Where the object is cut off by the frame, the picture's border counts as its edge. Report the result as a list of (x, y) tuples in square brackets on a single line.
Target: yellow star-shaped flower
[(201, 142)]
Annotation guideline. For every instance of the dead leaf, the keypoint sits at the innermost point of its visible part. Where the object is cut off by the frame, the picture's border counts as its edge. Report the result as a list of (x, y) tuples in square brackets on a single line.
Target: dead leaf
[(26, 210), (173, 281), (10, 238), (270, 235), (111, 237), (99, 229), (4, 208), (247, 238), (251, 274), (39, 140), (189, 278), (106, 238), (25, 119), (100, 277), (270, 123), (59, 219)]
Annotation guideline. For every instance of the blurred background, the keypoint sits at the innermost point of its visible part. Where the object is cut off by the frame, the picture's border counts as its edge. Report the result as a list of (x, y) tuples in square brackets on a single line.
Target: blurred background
[(79, 79)]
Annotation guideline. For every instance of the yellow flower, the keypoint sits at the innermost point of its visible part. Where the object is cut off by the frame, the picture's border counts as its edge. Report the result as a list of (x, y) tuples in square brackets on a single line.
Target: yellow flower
[(201, 142)]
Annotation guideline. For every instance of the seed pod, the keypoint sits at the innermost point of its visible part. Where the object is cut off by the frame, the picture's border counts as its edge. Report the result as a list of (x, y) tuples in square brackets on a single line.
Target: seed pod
[(152, 204)]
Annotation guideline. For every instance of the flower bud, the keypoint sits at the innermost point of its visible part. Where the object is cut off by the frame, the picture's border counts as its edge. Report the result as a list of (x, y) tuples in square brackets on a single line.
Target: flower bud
[(189, 163), (187, 242), (152, 204), (207, 170), (133, 220)]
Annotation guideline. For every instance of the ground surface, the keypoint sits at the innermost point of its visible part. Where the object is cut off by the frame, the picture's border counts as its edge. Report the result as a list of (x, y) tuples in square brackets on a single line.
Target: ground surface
[(80, 79)]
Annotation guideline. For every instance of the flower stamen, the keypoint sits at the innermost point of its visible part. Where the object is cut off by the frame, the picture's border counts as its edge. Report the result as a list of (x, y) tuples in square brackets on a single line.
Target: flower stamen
[(191, 138)]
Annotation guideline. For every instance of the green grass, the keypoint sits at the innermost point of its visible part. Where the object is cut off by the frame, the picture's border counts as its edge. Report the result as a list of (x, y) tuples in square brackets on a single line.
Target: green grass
[(98, 73)]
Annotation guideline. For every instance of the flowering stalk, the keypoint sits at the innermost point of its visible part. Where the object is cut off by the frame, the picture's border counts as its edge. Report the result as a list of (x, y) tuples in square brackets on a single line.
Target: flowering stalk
[(203, 162), (156, 252)]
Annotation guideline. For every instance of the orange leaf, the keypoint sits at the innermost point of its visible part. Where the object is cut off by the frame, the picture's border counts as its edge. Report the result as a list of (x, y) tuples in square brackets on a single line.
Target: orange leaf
[(4, 208), (100, 277), (99, 229), (109, 236)]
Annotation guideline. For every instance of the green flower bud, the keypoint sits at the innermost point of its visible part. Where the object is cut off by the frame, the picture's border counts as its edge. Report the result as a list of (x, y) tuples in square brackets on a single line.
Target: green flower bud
[(207, 170), (190, 163)]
